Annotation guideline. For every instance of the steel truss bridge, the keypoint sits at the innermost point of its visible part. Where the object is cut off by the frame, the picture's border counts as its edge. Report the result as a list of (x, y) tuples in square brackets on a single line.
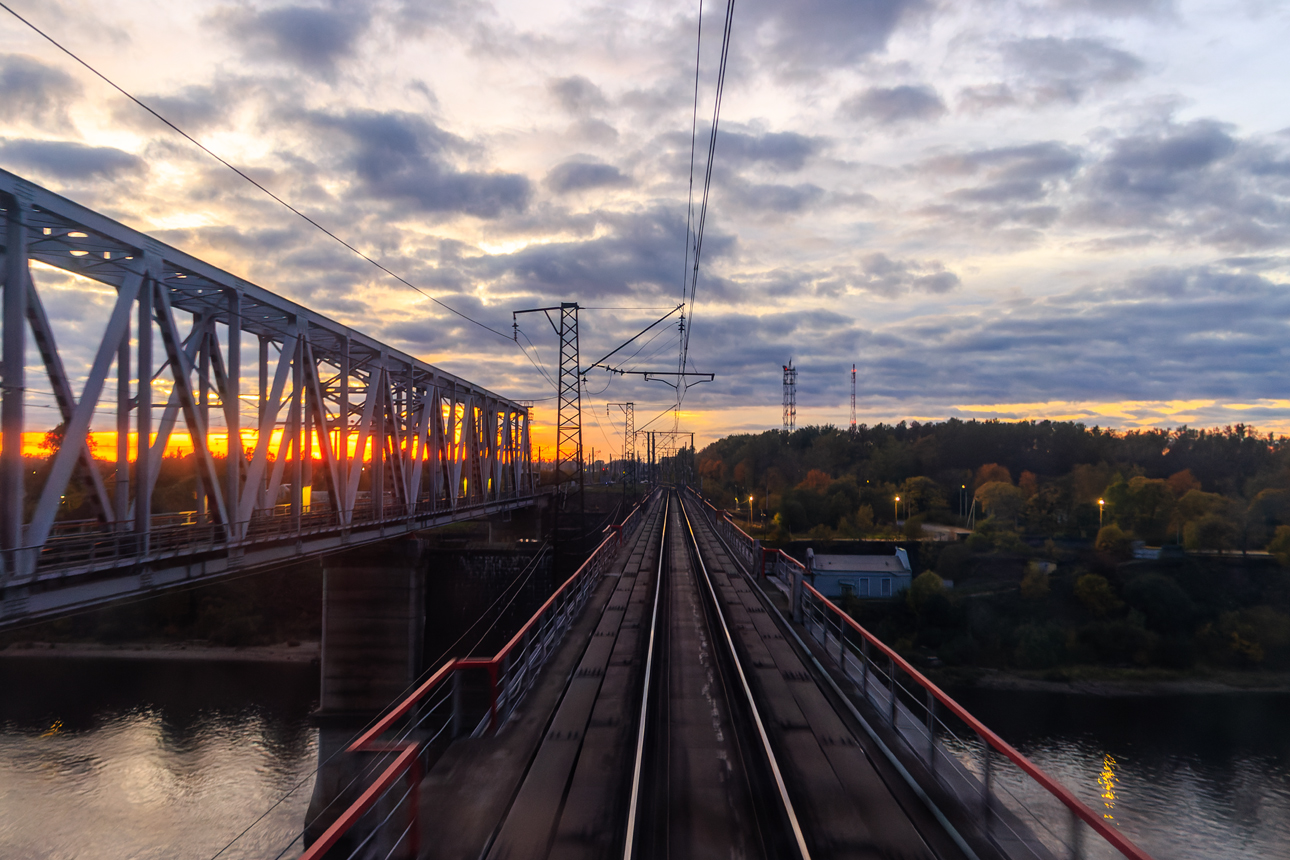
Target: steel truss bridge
[(391, 444)]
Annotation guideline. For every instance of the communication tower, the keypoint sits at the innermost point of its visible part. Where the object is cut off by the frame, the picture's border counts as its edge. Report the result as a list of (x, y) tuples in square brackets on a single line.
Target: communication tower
[(853, 400), (790, 397)]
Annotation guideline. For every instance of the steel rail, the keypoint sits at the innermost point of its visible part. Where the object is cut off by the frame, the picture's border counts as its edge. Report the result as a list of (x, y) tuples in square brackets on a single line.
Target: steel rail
[(752, 704), (634, 802)]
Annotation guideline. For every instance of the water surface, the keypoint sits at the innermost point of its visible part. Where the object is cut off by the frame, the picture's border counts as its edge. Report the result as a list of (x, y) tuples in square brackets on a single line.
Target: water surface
[(1186, 777), (107, 759)]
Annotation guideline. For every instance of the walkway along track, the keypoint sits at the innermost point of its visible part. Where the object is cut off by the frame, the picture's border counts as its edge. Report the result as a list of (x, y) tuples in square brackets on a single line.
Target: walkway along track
[(692, 728)]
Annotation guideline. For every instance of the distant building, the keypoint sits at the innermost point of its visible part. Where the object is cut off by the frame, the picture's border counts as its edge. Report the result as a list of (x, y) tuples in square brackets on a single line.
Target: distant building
[(1155, 553), (859, 575)]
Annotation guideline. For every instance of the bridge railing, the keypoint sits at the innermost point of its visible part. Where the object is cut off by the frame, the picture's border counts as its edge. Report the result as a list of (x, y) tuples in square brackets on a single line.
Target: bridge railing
[(89, 545), (1021, 810), (982, 770), (437, 704)]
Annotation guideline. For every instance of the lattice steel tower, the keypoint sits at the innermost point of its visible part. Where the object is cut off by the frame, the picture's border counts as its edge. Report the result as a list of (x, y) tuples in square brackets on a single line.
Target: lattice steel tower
[(853, 400), (568, 435), (790, 397)]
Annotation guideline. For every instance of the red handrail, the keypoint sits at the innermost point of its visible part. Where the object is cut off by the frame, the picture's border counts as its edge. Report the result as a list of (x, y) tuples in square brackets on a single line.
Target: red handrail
[(408, 760), (1111, 835), (1074, 804)]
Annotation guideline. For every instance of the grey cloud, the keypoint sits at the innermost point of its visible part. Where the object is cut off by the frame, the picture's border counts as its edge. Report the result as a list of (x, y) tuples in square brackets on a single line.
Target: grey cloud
[(70, 161), (1156, 165), (582, 175), (311, 38), (1016, 178), (784, 151), (880, 274), (193, 108), (34, 92), (577, 95), (1119, 8), (803, 37), (876, 274), (403, 157), (1190, 182), (1066, 70), (893, 105), (638, 253), (766, 197)]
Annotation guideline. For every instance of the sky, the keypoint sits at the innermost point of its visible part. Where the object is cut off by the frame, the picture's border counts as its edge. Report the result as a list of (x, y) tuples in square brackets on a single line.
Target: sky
[(1073, 209)]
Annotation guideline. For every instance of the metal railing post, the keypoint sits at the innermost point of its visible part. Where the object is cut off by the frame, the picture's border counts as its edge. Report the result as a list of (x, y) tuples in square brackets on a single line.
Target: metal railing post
[(931, 732), (456, 704), (1077, 837), (985, 785), (797, 595), (842, 646), (891, 675), (864, 668)]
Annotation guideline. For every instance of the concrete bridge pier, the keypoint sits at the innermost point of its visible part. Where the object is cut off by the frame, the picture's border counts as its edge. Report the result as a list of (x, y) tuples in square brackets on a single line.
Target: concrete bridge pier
[(373, 627)]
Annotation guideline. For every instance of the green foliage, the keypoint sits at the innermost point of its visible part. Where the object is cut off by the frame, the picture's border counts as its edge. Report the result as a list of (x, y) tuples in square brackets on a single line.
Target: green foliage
[(1035, 585), (1001, 501), (1095, 593), (1167, 607), (1211, 531), (1142, 506), (924, 586), (1279, 546), (1040, 646), (1256, 636), (1114, 543)]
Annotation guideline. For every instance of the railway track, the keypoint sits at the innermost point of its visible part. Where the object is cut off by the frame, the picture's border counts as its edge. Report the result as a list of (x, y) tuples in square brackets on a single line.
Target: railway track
[(691, 728), (705, 780)]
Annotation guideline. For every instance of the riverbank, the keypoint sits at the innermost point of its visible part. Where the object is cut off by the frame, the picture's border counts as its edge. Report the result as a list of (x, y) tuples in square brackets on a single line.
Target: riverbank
[(283, 652), (1108, 681)]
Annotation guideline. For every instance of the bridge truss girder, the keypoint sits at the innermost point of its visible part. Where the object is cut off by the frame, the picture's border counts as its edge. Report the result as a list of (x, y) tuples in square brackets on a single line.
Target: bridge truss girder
[(438, 443)]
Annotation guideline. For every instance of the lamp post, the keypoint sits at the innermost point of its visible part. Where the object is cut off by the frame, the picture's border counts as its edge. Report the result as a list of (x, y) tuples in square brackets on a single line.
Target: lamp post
[(750, 501), (963, 499), (896, 511), (1101, 505)]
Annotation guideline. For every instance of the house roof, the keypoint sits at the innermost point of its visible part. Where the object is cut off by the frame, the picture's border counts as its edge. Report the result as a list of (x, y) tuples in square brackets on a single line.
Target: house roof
[(859, 564)]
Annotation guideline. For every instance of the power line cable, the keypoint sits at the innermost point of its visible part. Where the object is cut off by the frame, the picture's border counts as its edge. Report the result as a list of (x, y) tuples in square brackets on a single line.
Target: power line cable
[(683, 357)]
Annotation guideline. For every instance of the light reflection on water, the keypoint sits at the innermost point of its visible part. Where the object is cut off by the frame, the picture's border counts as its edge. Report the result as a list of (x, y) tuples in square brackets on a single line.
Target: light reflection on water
[(1184, 777), (103, 760)]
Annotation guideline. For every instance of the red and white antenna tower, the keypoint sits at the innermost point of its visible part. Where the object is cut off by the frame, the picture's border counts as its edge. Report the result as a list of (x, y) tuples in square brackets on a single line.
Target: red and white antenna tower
[(853, 400)]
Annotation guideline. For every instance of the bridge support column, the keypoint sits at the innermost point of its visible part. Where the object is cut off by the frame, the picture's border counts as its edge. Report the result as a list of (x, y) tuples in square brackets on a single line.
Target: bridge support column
[(373, 625)]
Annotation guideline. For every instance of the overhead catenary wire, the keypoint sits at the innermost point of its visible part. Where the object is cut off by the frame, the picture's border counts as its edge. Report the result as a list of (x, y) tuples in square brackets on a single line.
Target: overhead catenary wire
[(195, 142), (689, 292)]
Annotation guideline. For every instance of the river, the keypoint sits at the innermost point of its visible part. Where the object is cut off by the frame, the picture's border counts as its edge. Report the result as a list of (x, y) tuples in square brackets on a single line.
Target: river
[(107, 759), (1186, 777)]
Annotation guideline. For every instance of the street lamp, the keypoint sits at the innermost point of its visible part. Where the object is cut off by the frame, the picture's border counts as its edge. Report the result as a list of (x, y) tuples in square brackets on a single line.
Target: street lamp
[(750, 501), (963, 499), (1101, 505), (896, 510)]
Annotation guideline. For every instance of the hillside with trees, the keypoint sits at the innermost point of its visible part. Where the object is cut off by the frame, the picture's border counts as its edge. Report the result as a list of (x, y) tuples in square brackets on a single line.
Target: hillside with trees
[(1040, 583)]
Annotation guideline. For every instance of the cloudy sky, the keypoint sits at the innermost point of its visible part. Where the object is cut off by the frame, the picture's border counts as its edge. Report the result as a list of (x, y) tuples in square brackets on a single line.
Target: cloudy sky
[(1074, 208)]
